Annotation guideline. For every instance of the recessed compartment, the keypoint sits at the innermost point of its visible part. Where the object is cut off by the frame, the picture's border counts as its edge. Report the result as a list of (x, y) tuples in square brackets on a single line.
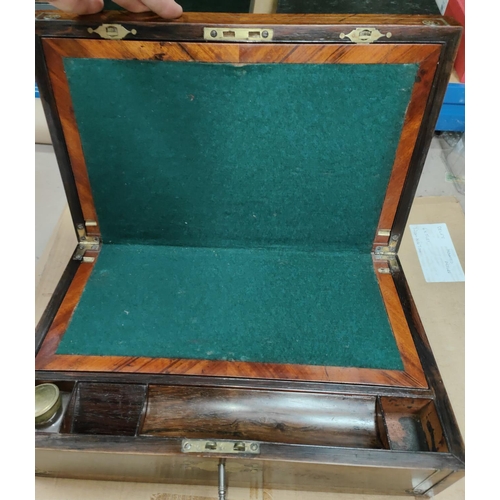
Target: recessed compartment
[(412, 425), (210, 413), (262, 415), (106, 409)]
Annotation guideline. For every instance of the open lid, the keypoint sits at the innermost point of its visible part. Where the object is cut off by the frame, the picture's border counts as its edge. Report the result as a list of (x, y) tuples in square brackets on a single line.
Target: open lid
[(282, 143), (240, 155), (246, 144)]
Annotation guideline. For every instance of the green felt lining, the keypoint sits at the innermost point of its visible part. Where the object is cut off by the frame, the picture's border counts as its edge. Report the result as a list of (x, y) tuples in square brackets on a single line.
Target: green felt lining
[(238, 205), (217, 155), (260, 305)]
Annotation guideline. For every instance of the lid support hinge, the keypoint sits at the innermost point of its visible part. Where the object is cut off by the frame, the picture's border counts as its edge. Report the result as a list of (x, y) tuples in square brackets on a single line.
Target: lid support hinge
[(388, 253), (85, 243), (390, 249)]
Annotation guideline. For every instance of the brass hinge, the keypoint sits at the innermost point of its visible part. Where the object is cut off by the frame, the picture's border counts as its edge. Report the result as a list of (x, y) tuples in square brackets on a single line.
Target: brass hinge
[(384, 233), (390, 249), (390, 264), (85, 243), (112, 31), (238, 34), (364, 35), (388, 254), (224, 447)]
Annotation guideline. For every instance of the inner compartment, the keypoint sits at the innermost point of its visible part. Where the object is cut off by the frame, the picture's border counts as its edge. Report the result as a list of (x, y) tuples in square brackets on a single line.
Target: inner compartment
[(221, 413), (412, 425), (259, 415), (238, 206)]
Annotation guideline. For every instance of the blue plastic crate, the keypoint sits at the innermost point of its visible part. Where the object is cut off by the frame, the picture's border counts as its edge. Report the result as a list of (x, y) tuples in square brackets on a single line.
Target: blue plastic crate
[(452, 116)]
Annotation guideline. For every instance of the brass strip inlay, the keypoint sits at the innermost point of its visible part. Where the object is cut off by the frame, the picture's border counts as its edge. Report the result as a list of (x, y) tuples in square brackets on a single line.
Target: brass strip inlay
[(384, 232)]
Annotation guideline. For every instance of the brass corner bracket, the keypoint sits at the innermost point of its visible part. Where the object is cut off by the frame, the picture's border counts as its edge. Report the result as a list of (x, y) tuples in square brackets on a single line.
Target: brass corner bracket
[(85, 243)]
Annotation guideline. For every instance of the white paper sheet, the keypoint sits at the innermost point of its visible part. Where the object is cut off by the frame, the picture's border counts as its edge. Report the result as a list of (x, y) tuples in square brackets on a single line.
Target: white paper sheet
[(436, 252)]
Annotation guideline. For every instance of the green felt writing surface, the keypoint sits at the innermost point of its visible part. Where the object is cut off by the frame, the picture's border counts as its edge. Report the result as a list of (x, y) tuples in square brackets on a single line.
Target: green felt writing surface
[(276, 306)]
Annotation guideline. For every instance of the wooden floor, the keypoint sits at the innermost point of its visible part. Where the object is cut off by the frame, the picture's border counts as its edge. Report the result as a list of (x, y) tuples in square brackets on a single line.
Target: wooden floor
[(441, 306)]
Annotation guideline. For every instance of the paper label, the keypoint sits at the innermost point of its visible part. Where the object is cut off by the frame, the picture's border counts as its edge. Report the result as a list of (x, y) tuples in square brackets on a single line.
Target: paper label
[(436, 252)]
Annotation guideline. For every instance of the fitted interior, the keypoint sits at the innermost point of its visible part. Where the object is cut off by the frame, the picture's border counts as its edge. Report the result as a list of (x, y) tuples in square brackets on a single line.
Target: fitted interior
[(238, 205)]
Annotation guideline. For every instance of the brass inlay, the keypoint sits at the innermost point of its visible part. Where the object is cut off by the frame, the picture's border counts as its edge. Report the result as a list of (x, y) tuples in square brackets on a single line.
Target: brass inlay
[(384, 232), (365, 35), (112, 31)]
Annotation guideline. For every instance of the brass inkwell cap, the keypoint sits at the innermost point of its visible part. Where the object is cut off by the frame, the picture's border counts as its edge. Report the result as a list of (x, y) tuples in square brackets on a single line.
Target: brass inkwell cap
[(47, 402)]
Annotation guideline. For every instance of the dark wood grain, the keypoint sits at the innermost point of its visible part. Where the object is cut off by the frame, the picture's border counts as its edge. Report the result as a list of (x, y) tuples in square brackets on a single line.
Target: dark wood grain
[(407, 142), (237, 53), (232, 382), (441, 400), (288, 472), (56, 133), (435, 101), (65, 112), (313, 467), (412, 376), (107, 409), (57, 49), (55, 301), (60, 320), (209, 18), (239, 414), (268, 451), (432, 428), (399, 325), (412, 424)]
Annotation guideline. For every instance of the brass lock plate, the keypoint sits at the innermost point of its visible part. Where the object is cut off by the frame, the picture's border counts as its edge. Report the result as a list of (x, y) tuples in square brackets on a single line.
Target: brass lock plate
[(223, 447), (218, 34)]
